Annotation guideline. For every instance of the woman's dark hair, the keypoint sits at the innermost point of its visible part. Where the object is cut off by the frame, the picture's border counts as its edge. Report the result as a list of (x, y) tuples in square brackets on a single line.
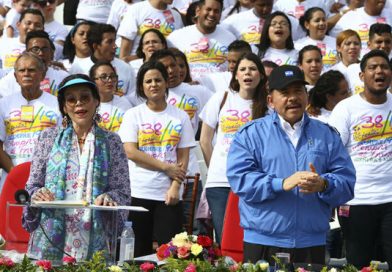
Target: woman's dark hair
[(61, 93), (305, 49), (93, 69), (235, 8), (191, 13), (327, 84), (178, 54), (147, 66), (69, 48), (308, 16), (98, 64), (259, 105), (139, 49), (265, 41)]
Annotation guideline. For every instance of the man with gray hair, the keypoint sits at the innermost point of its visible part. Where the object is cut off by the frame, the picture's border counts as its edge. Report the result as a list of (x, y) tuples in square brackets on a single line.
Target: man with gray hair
[(25, 114)]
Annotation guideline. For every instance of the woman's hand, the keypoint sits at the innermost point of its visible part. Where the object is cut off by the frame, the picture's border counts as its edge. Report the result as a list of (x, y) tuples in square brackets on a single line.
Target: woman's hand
[(173, 194), (175, 171), (104, 200), (42, 194)]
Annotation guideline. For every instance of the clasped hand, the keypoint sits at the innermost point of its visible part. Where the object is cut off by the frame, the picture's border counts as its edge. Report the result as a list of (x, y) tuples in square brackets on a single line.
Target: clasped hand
[(175, 171), (173, 194), (308, 182)]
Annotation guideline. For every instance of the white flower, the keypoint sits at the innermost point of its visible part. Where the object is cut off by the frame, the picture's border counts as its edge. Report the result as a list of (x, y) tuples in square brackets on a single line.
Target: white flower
[(264, 266), (180, 239), (115, 268), (333, 270)]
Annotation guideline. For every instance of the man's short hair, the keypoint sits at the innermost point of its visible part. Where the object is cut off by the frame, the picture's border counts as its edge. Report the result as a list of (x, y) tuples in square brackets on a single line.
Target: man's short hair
[(32, 11), (202, 2), (39, 34), (372, 54), (95, 35), (379, 29), (40, 63), (162, 53), (239, 45)]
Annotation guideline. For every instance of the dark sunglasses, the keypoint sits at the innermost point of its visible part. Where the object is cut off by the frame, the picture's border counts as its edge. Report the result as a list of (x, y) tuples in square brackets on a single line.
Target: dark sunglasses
[(45, 3)]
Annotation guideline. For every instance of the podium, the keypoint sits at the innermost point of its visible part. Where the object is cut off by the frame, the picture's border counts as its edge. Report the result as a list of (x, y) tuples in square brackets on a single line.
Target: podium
[(110, 214)]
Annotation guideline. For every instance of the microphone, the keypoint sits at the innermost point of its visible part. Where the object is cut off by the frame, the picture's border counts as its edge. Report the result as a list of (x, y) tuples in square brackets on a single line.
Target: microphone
[(22, 196)]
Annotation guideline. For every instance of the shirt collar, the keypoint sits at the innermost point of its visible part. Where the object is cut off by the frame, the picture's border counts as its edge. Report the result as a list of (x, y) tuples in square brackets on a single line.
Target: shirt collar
[(286, 125)]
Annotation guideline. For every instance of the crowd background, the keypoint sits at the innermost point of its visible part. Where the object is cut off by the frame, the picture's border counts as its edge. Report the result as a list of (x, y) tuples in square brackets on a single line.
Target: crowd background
[(169, 72)]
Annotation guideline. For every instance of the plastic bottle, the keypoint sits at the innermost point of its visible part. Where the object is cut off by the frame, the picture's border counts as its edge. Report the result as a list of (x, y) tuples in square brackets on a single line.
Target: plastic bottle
[(127, 243)]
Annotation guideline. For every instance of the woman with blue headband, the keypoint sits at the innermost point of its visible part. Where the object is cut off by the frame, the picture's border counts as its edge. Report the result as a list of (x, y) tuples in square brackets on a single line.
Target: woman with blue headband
[(77, 162)]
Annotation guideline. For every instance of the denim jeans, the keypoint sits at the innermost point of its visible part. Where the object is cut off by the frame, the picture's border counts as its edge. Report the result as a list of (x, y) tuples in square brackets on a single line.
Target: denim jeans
[(217, 200)]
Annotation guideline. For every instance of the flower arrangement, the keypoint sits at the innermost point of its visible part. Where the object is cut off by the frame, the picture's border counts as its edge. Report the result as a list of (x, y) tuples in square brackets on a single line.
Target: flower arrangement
[(185, 253), (188, 247)]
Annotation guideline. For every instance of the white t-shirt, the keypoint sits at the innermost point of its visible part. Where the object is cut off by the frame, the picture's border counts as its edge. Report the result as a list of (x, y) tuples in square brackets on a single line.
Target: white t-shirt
[(327, 47), (20, 137), (135, 65), (10, 49), (112, 113), (366, 132), (181, 5), (235, 113), (296, 9), (216, 82), (359, 21), (354, 81), (281, 56), (158, 134), (340, 67), (205, 53), (324, 115), (191, 99), (11, 19), (117, 11), (245, 26), (56, 31), (53, 78), (142, 16), (94, 10), (126, 85)]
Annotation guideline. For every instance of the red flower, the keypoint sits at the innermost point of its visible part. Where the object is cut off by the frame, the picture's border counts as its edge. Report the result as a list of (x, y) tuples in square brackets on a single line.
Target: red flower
[(45, 264), (190, 268), (69, 260), (6, 261), (366, 269), (161, 252), (145, 267), (182, 252), (204, 241)]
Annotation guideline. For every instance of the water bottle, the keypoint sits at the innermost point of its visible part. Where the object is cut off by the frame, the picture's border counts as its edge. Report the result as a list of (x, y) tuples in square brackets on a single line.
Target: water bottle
[(127, 243)]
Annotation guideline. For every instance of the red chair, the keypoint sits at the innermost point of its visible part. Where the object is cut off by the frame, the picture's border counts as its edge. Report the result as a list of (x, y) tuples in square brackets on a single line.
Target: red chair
[(232, 235), (11, 229)]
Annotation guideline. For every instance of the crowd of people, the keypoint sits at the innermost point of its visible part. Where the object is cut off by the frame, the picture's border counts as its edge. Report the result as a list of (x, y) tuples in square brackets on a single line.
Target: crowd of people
[(289, 101)]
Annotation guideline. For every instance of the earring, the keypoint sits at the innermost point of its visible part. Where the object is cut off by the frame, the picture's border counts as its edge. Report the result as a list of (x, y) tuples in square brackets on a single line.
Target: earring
[(97, 117), (65, 122)]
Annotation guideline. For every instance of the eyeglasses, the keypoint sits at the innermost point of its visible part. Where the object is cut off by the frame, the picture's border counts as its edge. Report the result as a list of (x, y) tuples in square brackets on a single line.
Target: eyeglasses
[(37, 50), (105, 78), (282, 24), (83, 99), (45, 3)]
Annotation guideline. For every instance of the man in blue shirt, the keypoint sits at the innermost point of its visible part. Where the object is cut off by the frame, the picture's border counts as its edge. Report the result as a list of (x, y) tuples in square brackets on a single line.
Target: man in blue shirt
[(289, 172)]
